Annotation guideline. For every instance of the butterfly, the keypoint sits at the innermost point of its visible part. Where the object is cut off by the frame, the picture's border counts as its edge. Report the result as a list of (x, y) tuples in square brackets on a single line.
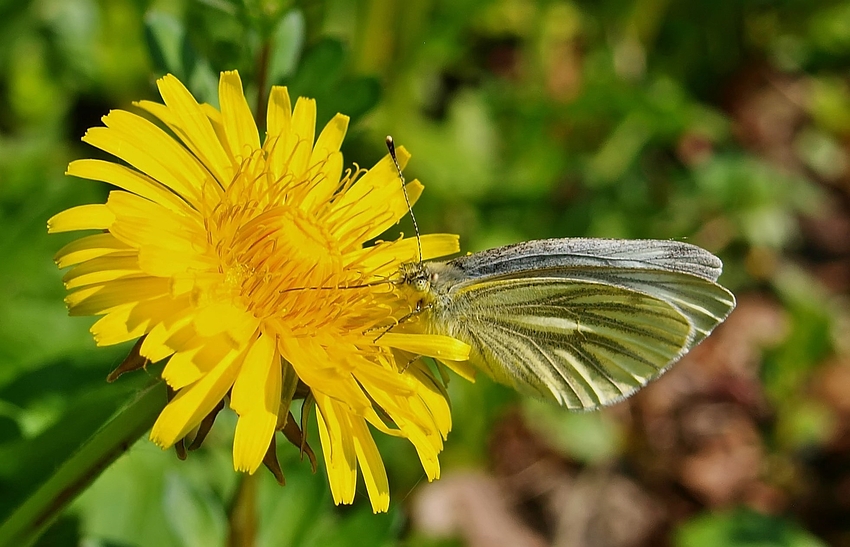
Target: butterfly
[(584, 322), (581, 321)]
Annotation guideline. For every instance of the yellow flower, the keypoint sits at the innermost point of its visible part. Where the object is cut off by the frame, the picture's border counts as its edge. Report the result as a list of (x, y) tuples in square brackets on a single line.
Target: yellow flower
[(244, 265)]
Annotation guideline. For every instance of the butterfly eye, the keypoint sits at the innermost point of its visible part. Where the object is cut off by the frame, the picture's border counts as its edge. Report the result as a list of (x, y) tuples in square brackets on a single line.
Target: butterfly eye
[(421, 284)]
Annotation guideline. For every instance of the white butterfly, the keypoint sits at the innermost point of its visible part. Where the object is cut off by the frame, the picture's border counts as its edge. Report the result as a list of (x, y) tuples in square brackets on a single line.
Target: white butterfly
[(585, 322)]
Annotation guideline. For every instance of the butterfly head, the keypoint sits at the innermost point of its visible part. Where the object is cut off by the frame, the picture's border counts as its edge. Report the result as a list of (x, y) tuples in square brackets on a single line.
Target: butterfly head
[(418, 277)]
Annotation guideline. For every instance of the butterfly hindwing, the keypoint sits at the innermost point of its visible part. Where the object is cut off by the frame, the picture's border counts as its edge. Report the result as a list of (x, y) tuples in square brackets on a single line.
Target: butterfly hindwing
[(582, 344), (584, 322)]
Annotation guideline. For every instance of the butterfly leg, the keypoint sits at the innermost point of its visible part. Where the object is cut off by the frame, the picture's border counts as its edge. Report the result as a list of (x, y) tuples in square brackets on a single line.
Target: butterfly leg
[(420, 307)]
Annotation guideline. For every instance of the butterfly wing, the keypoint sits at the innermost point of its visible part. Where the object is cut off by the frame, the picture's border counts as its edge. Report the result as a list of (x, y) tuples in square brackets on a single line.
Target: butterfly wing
[(681, 274), (575, 252), (583, 322)]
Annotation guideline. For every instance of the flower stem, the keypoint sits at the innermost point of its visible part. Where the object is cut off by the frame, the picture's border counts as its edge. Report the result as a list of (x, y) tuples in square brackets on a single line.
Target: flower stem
[(262, 81), (37, 513), (242, 517)]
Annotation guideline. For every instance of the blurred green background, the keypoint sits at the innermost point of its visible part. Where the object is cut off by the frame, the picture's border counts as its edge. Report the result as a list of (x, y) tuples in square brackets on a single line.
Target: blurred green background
[(726, 124)]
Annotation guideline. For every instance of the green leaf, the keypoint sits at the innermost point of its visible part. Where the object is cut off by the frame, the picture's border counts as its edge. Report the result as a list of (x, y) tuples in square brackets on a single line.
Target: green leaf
[(320, 69), (203, 82), (322, 74), (33, 516), (743, 528), (355, 526), (173, 53), (291, 514), (809, 340), (287, 44), (196, 517), (22, 472), (590, 437), (166, 37), (358, 96)]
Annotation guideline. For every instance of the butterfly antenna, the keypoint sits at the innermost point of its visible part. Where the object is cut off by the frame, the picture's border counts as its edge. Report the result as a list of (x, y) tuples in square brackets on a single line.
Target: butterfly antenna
[(391, 148)]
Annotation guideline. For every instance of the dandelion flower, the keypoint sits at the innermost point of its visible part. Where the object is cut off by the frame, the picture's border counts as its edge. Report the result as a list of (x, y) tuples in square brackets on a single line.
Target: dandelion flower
[(246, 266)]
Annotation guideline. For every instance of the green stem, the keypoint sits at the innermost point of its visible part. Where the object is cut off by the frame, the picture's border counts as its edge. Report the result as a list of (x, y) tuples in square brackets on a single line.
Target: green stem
[(34, 516), (262, 82), (242, 517)]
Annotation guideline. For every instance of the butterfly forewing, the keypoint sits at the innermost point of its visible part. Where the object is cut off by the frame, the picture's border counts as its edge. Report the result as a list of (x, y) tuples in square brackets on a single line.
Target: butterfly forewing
[(585, 322), (579, 252)]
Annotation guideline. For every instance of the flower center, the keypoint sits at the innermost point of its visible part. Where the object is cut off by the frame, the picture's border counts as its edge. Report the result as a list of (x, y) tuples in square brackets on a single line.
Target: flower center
[(277, 260)]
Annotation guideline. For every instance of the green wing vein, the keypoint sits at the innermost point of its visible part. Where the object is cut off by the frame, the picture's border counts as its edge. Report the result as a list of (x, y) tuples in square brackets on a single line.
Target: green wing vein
[(584, 344)]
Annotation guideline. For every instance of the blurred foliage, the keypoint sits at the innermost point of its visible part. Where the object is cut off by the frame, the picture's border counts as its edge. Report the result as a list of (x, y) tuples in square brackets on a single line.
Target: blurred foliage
[(743, 529), (723, 123)]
